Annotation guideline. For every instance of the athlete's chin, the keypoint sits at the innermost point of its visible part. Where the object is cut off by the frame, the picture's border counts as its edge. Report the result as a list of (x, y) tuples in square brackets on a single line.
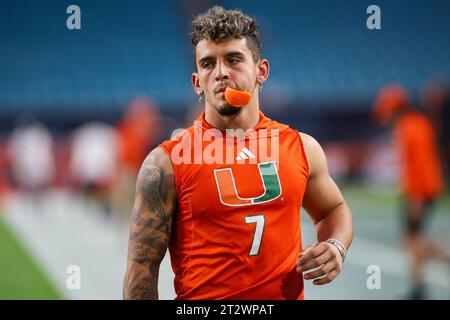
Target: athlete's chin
[(227, 110)]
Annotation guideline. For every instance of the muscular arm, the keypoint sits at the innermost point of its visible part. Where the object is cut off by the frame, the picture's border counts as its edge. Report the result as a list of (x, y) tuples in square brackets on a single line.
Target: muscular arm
[(323, 200), (150, 227), (330, 214)]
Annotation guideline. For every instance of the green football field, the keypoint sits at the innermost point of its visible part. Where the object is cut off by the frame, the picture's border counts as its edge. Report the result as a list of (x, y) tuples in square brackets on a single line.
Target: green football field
[(20, 277)]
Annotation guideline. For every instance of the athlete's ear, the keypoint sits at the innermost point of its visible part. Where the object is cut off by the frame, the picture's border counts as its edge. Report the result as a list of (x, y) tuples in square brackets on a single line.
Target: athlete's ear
[(263, 71), (196, 83)]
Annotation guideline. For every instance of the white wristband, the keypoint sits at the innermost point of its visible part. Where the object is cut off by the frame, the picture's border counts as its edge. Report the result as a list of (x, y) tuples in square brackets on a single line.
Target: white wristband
[(339, 246)]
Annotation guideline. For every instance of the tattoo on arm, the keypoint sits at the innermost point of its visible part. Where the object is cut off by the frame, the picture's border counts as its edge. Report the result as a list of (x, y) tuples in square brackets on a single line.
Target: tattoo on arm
[(150, 226)]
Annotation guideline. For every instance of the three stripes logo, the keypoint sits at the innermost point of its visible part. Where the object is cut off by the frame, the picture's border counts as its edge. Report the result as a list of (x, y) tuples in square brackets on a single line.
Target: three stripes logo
[(245, 154)]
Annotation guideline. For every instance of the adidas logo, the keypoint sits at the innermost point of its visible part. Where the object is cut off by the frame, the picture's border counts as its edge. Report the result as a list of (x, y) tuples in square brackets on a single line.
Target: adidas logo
[(245, 154)]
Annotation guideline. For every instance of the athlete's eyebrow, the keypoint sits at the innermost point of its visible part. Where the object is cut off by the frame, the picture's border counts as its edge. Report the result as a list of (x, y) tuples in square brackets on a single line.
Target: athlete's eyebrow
[(207, 58), (228, 55), (235, 54)]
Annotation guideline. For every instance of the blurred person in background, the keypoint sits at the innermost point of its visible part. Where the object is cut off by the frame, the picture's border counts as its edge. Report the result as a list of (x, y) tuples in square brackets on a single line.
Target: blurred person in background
[(436, 101), (138, 132), (420, 175), (31, 160), (93, 162)]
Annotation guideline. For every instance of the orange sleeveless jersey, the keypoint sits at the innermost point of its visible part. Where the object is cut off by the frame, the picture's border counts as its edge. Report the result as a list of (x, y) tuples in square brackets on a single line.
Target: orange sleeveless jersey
[(237, 230)]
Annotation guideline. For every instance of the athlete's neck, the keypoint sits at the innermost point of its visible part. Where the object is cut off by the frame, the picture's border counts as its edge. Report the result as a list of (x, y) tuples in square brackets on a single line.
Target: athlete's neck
[(246, 119)]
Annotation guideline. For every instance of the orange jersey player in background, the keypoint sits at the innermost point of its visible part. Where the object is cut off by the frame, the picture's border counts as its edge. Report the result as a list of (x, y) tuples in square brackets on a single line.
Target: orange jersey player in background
[(225, 195), (420, 175)]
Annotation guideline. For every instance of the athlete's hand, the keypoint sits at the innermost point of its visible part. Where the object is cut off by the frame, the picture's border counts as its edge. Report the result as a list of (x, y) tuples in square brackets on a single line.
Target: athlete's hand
[(325, 257)]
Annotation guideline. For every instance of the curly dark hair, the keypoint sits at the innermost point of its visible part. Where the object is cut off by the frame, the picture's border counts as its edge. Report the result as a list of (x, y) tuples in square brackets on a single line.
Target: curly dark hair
[(218, 24)]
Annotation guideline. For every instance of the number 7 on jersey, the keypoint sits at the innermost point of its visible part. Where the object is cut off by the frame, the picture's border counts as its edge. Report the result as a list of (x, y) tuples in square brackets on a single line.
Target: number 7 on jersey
[(257, 235)]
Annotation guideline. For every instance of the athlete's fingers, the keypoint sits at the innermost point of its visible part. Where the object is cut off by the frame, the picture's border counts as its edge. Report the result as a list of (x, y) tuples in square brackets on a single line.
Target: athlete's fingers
[(322, 259), (332, 254), (308, 253), (316, 251), (305, 250), (323, 270), (327, 279)]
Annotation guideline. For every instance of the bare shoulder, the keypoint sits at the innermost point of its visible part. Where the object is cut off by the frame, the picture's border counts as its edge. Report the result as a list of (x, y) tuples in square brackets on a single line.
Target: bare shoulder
[(314, 153), (309, 142), (156, 168), (157, 160)]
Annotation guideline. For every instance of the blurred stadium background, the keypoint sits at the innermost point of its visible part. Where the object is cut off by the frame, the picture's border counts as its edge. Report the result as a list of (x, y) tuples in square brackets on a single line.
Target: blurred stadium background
[(80, 109)]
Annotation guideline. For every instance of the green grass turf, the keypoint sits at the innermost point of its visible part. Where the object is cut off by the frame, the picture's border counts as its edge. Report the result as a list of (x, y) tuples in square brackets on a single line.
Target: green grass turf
[(20, 276)]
